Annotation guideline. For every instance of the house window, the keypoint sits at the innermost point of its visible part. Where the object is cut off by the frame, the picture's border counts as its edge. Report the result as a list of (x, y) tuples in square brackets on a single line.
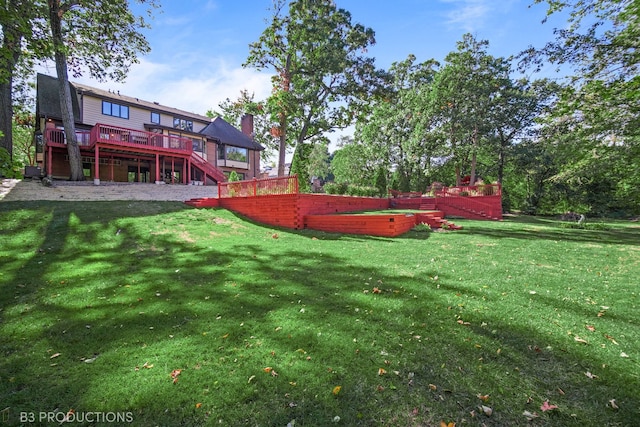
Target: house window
[(115, 110), (237, 154), (155, 118), (198, 145), (186, 125)]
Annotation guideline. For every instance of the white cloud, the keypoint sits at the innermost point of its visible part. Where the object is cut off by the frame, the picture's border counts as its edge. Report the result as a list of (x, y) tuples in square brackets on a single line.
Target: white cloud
[(189, 83), (470, 15)]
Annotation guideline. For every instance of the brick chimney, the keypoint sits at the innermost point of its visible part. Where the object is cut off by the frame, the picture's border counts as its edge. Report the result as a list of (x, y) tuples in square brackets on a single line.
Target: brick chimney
[(246, 125)]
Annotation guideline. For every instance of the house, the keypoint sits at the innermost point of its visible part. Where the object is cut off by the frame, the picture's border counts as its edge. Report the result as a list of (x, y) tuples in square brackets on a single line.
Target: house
[(126, 139)]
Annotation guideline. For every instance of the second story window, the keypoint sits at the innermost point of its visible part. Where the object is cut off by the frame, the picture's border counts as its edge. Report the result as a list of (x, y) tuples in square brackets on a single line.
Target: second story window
[(155, 118), (115, 110), (186, 125)]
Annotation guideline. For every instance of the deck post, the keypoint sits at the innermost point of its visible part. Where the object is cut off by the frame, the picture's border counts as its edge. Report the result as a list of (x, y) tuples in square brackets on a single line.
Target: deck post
[(158, 168), (49, 160), (96, 169)]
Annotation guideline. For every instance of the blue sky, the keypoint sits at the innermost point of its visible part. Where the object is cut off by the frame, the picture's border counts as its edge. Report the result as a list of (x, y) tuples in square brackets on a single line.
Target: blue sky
[(198, 47)]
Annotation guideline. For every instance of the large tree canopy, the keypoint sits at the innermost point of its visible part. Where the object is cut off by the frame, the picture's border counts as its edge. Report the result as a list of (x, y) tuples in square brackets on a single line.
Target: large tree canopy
[(321, 75), (98, 37)]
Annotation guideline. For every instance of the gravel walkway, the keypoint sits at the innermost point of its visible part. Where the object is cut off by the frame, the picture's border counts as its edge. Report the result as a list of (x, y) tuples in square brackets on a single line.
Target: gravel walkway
[(12, 189)]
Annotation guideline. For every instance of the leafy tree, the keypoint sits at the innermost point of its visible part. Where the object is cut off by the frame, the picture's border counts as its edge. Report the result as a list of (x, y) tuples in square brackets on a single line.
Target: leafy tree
[(22, 29), (85, 34), (602, 99), (300, 167), (321, 77), (23, 142), (233, 176), (351, 163), (514, 113), (395, 131), (463, 94), (380, 182), (319, 161)]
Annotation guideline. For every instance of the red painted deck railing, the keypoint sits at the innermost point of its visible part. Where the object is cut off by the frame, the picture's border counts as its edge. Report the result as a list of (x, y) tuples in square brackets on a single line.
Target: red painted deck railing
[(259, 187), (57, 136), (484, 200), (138, 138), (470, 191)]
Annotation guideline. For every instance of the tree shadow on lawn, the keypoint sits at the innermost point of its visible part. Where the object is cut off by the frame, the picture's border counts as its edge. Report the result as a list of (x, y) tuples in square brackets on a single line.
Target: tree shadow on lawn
[(223, 313), (539, 228)]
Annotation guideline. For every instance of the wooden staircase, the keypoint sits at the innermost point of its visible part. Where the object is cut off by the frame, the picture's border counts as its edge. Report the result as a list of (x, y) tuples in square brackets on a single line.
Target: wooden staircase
[(428, 204), (207, 168), (435, 220)]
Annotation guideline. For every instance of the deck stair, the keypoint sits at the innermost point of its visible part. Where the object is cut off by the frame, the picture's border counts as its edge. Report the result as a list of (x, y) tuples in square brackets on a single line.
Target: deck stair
[(207, 168), (427, 204), (435, 220)]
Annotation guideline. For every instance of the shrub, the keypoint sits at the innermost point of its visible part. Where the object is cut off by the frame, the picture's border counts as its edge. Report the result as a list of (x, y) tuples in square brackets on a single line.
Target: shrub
[(335, 188), (8, 168), (381, 182), (361, 191)]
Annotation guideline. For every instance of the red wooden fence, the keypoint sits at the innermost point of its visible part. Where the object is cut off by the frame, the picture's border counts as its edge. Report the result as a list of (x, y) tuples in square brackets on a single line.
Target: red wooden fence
[(259, 187)]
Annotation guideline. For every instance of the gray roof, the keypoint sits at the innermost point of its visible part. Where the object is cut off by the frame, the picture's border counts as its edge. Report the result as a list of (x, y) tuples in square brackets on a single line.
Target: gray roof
[(225, 133), (48, 98)]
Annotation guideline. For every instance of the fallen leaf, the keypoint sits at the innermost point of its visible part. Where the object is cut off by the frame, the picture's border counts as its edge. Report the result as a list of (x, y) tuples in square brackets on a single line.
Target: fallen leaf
[(451, 424), (198, 405), (376, 291), (623, 354), (174, 375), (433, 387), (336, 390), (590, 375), (610, 338), (381, 371), (484, 398), (547, 407), (275, 235), (580, 340), (613, 404), (251, 378), (462, 322), (530, 416), (590, 328), (487, 410), (53, 356), (147, 365)]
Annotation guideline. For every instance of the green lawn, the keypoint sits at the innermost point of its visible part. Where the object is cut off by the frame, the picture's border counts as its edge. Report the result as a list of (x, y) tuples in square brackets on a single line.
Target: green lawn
[(100, 303)]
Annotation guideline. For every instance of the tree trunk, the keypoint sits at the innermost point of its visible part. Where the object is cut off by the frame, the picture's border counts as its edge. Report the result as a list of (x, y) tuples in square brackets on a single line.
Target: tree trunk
[(66, 106), (6, 116), (474, 156), (11, 41), (501, 158), (282, 146)]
